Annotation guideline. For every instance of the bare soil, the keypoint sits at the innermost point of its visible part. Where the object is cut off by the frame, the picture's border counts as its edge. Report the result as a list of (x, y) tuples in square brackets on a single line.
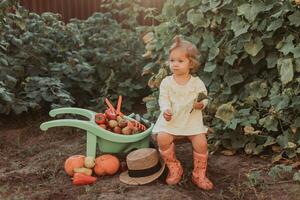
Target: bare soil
[(31, 167)]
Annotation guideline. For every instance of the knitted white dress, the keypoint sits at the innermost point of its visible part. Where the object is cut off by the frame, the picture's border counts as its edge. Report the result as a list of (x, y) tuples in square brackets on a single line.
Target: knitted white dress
[(180, 99)]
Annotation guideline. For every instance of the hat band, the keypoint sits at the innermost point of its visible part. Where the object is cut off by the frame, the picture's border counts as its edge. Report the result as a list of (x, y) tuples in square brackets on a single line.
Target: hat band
[(144, 172)]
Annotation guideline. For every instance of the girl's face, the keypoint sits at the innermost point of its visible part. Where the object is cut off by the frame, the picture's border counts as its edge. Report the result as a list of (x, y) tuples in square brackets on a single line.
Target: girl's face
[(179, 63)]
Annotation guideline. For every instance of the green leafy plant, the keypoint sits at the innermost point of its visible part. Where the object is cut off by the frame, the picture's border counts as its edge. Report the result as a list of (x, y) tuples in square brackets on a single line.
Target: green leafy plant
[(125, 11), (250, 64), (296, 176), (254, 178), (278, 171), (44, 61)]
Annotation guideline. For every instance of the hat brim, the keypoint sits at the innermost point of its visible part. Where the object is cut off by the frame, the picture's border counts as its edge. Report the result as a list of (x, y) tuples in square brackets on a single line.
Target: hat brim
[(125, 178)]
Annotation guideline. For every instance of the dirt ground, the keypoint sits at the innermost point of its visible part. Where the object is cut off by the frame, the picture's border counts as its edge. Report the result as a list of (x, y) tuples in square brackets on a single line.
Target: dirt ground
[(31, 167)]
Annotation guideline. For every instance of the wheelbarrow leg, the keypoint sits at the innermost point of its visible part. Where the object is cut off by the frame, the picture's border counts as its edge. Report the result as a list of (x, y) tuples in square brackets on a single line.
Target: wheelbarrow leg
[(91, 144)]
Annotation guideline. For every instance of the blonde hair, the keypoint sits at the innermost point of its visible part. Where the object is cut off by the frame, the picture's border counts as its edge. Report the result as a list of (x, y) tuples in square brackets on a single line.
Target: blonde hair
[(190, 49)]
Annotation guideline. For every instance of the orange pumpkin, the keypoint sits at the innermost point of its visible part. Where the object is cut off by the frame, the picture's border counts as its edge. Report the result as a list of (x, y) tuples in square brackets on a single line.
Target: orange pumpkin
[(72, 162), (106, 165)]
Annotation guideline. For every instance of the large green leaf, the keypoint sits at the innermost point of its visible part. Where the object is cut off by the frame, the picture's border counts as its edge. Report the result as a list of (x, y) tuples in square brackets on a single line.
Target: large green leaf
[(197, 18), (214, 3), (238, 141), (270, 141), (169, 10), (17, 42), (250, 11), (254, 46), (4, 4), (287, 45), (257, 89), (295, 18), (239, 26), (258, 57), (232, 78), (269, 122), (258, 149), (210, 67), (272, 60), (179, 2), (213, 52), (297, 65), (11, 81), (284, 140), (225, 112), (280, 102), (192, 3), (286, 70), (3, 60), (208, 40), (5, 95), (275, 25), (230, 59), (296, 51)]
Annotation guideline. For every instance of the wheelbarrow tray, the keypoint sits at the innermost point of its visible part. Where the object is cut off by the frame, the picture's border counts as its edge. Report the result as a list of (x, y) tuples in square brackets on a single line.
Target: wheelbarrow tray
[(107, 141)]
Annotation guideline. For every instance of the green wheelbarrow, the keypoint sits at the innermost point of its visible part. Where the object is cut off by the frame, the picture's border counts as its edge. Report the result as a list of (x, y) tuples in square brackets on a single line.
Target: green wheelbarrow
[(107, 141)]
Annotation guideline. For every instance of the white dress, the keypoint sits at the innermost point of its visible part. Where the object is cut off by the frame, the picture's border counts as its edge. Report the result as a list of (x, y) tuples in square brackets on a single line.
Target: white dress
[(180, 99)]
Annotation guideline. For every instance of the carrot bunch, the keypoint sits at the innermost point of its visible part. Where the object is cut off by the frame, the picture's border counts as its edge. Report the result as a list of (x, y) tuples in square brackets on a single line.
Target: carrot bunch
[(113, 120)]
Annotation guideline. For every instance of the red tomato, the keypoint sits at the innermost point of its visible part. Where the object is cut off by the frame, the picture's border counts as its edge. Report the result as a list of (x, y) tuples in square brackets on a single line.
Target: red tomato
[(100, 118)]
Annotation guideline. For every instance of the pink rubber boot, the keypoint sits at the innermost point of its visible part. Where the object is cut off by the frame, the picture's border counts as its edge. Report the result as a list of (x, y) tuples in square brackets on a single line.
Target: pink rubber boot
[(174, 166), (199, 173)]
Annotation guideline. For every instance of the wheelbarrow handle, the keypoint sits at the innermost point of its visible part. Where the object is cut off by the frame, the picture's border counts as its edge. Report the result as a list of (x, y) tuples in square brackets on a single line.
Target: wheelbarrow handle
[(72, 110)]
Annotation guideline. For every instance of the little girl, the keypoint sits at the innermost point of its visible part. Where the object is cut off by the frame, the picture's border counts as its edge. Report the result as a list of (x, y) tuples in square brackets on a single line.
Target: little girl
[(181, 114)]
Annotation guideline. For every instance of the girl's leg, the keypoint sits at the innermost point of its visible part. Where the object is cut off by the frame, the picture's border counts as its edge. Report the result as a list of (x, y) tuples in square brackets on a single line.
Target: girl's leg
[(200, 156), (167, 151), (199, 143), (164, 140)]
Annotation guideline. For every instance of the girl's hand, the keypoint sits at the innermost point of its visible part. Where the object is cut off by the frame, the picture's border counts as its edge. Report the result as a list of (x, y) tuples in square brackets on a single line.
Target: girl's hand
[(198, 105), (167, 115)]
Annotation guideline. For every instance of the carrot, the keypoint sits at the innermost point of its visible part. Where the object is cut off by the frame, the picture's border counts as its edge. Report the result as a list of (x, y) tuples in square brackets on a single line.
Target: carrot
[(83, 179), (119, 104), (110, 106)]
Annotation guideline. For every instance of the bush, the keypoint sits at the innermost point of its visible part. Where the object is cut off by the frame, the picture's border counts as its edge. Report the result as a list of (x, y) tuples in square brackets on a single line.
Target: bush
[(250, 57), (46, 62)]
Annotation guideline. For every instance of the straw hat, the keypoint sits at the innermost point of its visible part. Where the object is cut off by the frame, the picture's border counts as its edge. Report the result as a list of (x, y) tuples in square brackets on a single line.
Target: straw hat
[(144, 166)]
